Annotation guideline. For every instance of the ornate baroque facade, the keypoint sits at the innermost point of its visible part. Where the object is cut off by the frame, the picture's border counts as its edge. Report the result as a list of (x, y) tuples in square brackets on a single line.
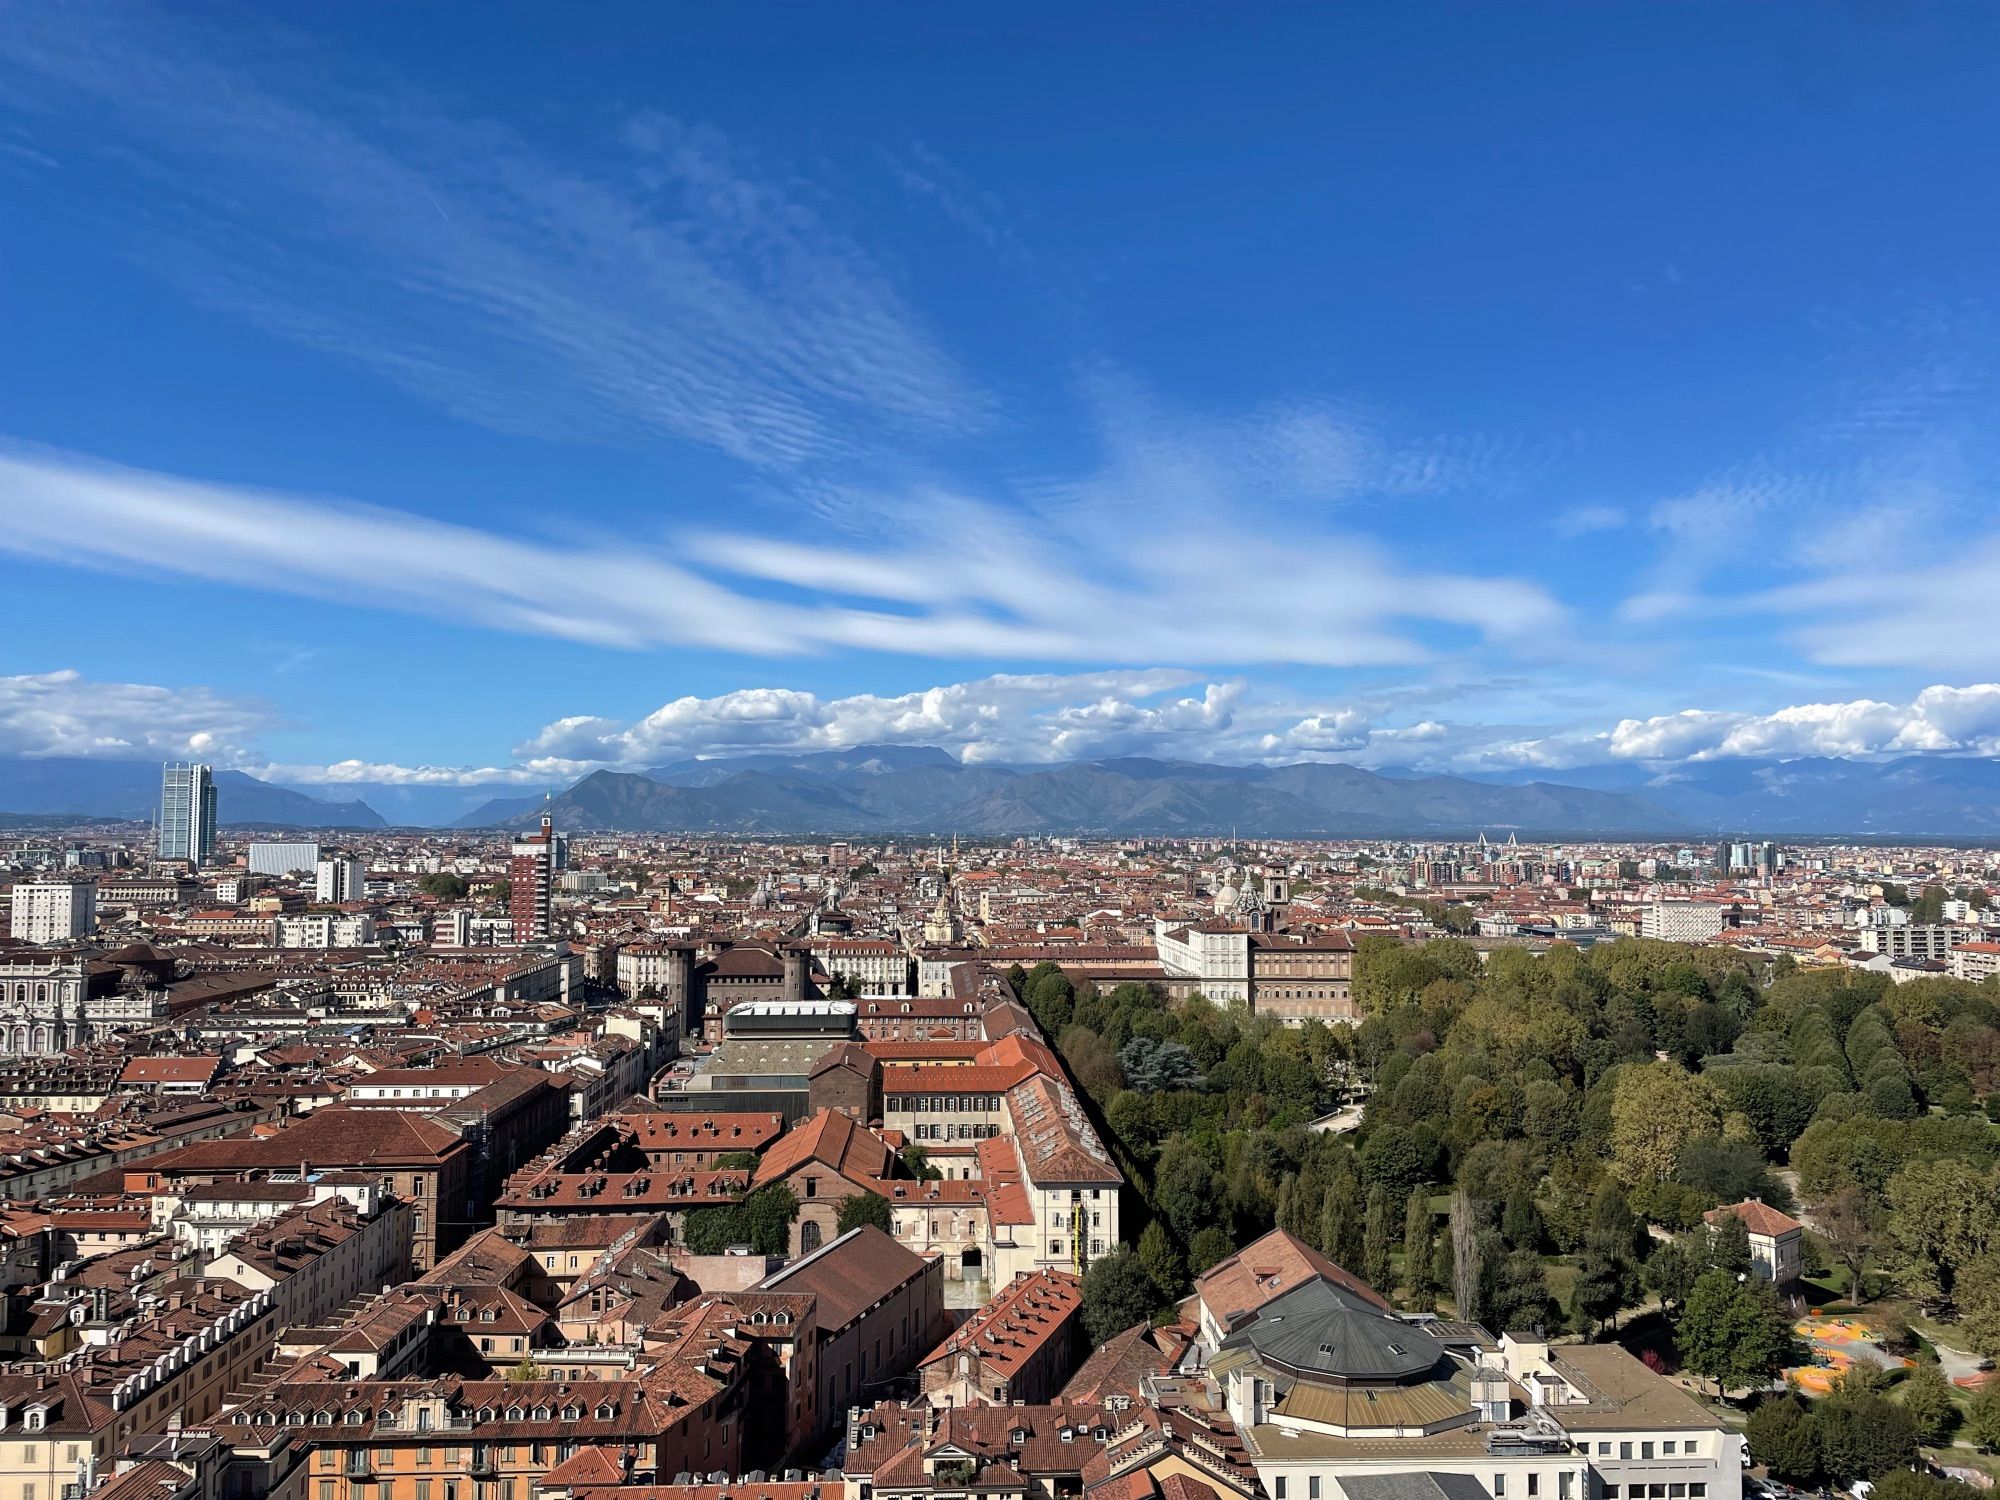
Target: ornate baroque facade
[(50, 1002)]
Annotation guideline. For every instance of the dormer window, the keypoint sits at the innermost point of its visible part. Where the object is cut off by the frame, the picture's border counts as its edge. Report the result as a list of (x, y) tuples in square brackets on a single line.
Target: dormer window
[(572, 1413), (605, 1412), (356, 1417), (35, 1417)]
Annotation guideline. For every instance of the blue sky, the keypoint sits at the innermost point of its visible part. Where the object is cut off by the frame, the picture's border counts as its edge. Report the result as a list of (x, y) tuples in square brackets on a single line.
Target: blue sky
[(464, 393)]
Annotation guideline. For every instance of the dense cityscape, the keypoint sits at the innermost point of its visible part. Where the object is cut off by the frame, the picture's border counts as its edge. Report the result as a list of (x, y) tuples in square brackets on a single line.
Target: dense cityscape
[(1133, 751), (417, 1165)]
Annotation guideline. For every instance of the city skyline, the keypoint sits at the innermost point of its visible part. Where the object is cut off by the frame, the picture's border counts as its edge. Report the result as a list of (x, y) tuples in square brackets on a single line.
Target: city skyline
[(1118, 752), (1255, 387)]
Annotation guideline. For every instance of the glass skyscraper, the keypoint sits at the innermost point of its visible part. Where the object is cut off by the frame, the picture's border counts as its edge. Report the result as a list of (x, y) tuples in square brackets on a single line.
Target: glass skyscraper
[(187, 813)]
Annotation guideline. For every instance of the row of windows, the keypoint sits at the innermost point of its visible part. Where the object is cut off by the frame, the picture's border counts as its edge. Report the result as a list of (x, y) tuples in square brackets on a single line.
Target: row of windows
[(1061, 1220), (956, 1132), (72, 1452), (939, 1104), (358, 1416), (1097, 1248), (1669, 1448), (506, 1453), (1565, 1488), (504, 1489)]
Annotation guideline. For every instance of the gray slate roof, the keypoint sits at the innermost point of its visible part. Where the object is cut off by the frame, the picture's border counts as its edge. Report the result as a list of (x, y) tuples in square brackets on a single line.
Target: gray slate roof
[(1318, 1329)]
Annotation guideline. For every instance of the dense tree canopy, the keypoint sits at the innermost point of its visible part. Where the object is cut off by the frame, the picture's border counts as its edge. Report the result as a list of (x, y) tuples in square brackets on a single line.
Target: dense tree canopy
[(1532, 1108)]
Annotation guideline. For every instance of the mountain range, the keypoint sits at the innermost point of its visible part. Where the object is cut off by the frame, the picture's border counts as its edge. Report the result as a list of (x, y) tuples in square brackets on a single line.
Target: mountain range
[(1918, 794), (892, 789), (911, 789), (82, 787)]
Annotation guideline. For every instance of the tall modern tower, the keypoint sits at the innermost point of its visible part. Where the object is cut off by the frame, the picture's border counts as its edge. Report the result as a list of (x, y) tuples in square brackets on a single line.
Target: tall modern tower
[(187, 813)]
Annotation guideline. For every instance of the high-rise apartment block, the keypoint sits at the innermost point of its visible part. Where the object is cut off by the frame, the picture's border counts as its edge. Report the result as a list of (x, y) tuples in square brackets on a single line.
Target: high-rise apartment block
[(532, 872), (187, 813), (340, 877), (47, 912)]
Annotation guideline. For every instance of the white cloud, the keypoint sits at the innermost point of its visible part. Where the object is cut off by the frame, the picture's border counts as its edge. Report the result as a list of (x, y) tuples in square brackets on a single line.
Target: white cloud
[(1027, 717), (1018, 718), (1341, 729), (356, 772), (64, 713), (1963, 720)]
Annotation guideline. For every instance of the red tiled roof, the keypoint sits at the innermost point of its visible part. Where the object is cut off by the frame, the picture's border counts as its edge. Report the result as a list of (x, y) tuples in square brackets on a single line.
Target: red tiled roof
[(1012, 1328), (703, 1132), (1758, 1217), (1263, 1270), (171, 1070), (832, 1140), (1000, 1169)]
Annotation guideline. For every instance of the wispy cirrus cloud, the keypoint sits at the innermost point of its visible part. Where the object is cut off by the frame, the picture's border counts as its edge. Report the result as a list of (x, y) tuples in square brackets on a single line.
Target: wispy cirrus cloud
[(965, 579), (1892, 438), (681, 289)]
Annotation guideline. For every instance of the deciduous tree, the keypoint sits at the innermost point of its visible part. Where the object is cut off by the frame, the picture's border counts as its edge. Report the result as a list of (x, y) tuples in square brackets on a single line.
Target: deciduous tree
[(1117, 1292), (1656, 1109), (1162, 1261), (1784, 1438)]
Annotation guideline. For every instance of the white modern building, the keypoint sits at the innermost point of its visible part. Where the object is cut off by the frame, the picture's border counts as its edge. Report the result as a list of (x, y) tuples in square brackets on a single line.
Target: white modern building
[(47, 912), (318, 929), (284, 857), (1975, 962), (1914, 940), (1682, 921), (340, 877)]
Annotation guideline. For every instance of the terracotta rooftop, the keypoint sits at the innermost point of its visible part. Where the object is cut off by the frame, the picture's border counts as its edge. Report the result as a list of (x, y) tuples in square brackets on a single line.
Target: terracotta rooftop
[(1269, 1268), (1758, 1217), (1035, 1307)]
